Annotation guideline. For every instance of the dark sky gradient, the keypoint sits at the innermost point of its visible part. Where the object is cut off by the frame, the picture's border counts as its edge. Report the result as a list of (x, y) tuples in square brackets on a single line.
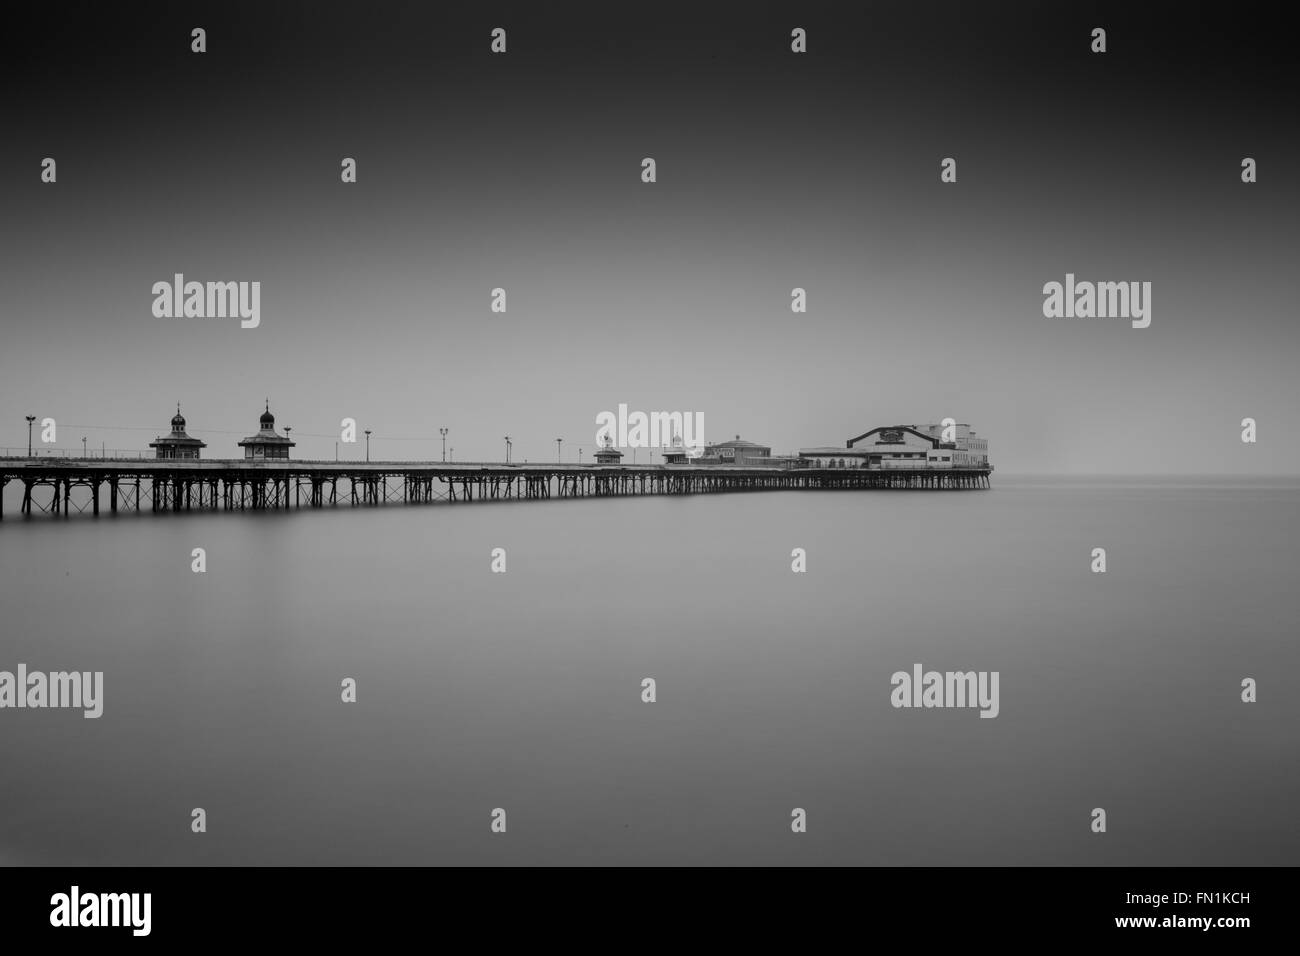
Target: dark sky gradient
[(775, 171)]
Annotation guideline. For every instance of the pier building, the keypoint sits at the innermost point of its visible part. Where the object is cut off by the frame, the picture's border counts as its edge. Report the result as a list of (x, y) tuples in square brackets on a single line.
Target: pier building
[(177, 444), (903, 446), (735, 452), (608, 455), (267, 443)]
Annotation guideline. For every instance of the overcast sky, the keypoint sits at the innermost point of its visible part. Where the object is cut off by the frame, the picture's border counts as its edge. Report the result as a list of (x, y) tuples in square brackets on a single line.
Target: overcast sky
[(775, 170)]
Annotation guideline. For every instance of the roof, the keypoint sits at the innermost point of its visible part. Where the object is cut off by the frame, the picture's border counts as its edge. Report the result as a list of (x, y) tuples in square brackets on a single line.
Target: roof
[(893, 428), (175, 439), (262, 438), (836, 451)]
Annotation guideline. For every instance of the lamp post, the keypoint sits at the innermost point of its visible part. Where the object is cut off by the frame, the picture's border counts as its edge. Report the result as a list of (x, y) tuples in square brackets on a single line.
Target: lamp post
[(83, 446), (507, 449), (367, 444), (557, 449), (443, 433), (580, 456), (30, 419)]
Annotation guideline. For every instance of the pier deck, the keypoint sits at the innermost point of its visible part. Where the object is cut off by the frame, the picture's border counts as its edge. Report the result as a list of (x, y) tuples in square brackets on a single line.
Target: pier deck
[(240, 484)]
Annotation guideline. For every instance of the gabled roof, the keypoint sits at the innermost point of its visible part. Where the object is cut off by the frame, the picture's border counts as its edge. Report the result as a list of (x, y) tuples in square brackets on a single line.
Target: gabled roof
[(934, 442)]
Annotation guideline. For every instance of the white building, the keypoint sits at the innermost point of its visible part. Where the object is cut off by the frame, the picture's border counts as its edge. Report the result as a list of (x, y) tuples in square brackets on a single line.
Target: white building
[(903, 446), (969, 450)]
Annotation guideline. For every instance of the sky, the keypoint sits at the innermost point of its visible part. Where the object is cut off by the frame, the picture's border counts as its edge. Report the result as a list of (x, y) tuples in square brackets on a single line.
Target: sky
[(775, 170)]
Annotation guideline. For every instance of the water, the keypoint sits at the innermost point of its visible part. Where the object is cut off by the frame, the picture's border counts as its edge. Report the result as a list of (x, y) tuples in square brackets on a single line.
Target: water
[(523, 690)]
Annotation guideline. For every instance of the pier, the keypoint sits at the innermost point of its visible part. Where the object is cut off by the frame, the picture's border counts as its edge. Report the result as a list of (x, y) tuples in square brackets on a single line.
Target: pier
[(113, 485)]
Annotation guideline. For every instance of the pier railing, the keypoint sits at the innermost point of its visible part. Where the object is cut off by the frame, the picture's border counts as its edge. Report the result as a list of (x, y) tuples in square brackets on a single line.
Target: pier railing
[(99, 454)]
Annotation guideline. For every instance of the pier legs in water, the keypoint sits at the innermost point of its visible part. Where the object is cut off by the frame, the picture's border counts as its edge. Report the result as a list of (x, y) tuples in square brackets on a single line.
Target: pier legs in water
[(255, 490)]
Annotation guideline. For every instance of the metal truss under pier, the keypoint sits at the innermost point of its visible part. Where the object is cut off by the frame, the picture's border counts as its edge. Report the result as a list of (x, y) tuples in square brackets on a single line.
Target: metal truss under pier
[(241, 485)]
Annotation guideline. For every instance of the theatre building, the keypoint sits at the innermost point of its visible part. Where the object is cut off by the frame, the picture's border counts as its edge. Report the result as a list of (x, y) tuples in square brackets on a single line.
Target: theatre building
[(177, 444), (744, 454), (266, 443), (735, 452), (904, 446)]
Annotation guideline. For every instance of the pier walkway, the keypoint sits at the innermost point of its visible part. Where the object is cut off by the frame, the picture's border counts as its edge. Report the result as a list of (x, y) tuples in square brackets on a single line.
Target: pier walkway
[(48, 484)]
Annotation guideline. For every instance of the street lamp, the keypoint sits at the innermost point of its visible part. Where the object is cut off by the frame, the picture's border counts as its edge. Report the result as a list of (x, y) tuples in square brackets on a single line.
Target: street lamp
[(83, 446), (443, 433), (580, 456), (30, 419), (557, 450), (367, 444), (507, 449)]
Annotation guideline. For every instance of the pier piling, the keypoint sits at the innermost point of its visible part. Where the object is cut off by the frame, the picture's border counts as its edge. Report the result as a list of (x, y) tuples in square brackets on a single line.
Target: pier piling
[(240, 485)]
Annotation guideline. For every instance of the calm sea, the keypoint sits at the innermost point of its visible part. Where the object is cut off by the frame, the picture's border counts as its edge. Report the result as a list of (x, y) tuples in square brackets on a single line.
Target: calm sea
[(522, 690)]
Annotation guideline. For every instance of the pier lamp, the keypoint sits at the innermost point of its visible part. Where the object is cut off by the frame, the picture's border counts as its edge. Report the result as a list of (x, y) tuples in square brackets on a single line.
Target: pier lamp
[(367, 444), (558, 444), (443, 433), (507, 449), (83, 446), (30, 419)]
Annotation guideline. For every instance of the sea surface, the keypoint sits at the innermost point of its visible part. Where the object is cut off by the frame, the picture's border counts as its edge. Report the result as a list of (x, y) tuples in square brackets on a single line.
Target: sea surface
[(523, 691)]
